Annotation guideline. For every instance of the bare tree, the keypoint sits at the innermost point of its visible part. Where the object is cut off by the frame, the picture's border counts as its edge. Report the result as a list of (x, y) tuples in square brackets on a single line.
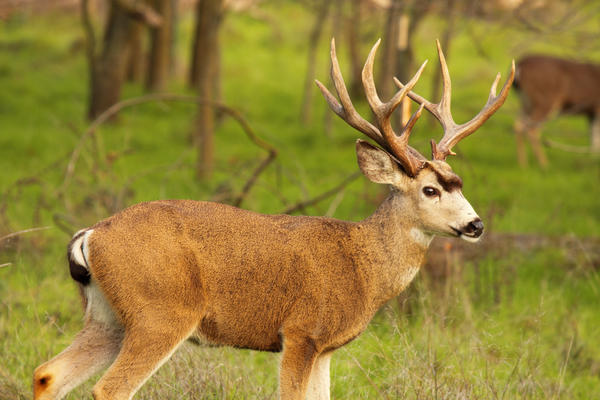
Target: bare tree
[(204, 72), (108, 69), (450, 11), (353, 35), (388, 55), (398, 56), (159, 60), (136, 65), (322, 13)]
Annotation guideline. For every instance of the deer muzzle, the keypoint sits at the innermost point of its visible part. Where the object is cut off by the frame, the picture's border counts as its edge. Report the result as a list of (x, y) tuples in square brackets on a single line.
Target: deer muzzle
[(474, 228)]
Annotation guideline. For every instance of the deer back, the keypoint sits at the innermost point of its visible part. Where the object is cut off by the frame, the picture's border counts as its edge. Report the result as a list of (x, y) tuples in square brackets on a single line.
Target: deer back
[(548, 84)]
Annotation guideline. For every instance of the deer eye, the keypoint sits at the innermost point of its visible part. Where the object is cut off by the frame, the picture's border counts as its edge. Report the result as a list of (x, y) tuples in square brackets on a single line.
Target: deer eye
[(430, 191)]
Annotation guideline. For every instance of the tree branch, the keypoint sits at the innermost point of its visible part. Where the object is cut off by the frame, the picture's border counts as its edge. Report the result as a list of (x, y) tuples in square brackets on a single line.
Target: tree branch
[(90, 36), (303, 204), (13, 234), (140, 11)]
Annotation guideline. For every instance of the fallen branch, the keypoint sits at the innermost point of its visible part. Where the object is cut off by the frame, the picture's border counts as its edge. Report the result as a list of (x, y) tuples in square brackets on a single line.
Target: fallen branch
[(303, 204), (252, 180), (13, 234), (368, 377), (567, 147)]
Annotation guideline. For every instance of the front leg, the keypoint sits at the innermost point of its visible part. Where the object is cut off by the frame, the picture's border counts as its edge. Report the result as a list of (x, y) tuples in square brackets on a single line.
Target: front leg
[(299, 355)]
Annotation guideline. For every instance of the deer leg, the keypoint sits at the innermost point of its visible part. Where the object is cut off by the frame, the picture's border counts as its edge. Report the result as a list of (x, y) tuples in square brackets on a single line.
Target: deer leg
[(145, 348), (298, 357), (520, 141), (595, 134), (319, 382), (534, 135), (93, 349)]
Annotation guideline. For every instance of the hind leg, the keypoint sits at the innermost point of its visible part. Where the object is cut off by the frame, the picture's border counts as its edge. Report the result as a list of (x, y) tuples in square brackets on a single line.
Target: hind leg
[(149, 342), (94, 348), (534, 136), (595, 134), (519, 129)]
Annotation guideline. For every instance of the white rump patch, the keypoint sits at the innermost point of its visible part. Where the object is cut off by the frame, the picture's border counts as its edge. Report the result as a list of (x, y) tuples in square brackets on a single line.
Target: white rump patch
[(98, 308), (80, 250)]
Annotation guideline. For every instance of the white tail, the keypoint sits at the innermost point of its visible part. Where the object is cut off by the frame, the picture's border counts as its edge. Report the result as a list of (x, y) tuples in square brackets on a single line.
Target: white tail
[(161, 272)]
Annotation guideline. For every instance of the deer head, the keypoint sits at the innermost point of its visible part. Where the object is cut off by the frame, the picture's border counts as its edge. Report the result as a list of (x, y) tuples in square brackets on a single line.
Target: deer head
[(429, 187)]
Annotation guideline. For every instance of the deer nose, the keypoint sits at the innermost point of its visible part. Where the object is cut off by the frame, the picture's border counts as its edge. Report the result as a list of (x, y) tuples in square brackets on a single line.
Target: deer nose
[(474, 228)]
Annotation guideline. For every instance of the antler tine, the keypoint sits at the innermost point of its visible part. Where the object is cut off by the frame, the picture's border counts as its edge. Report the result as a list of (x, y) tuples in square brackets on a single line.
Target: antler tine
[(346, 110), (440, 110), (444, 104), (444, 148), (396, 144), (453, 133)]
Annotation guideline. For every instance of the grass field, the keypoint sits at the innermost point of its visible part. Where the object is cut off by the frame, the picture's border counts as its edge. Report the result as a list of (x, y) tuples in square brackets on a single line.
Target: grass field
[(521, 326)]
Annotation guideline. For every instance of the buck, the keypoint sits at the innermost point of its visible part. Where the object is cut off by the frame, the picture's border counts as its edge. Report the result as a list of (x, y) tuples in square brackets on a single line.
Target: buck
[(162, 272), (550, 86)]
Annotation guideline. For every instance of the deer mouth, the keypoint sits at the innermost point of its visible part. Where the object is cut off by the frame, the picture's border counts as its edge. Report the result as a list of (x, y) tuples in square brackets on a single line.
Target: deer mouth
[(469, 237)]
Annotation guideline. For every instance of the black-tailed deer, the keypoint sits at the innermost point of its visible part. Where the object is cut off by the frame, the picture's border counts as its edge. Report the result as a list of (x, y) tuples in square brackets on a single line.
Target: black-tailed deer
[(159, 273), (548, 86)]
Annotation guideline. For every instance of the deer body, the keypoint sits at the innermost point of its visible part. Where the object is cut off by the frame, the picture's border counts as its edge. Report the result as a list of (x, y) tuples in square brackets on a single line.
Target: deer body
[(300, 284), (162, 272), (549, 86)]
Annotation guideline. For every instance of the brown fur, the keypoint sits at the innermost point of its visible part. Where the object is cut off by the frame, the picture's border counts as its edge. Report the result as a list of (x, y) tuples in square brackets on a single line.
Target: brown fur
[(550, 85), (324, 287)]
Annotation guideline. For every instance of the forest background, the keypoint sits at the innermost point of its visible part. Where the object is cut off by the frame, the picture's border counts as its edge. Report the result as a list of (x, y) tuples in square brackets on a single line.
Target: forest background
[(91, 123)]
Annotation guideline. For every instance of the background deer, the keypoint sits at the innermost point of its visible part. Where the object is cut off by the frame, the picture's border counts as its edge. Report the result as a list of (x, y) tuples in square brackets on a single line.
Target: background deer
[(162, 272), (550, 85)]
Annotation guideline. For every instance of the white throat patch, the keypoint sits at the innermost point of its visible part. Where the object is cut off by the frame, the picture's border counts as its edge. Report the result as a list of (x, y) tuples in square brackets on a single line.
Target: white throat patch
[(421, 238)]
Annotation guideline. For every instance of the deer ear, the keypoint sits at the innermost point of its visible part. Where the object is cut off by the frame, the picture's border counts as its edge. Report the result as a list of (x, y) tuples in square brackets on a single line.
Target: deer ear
[(376, 164)]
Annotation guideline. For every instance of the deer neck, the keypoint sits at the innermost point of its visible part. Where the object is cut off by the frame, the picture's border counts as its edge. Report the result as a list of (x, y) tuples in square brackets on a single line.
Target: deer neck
[(398, 246)]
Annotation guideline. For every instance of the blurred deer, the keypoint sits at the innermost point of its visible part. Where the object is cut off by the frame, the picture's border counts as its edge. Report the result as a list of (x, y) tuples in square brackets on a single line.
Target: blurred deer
[(162, 272), (550, 86)]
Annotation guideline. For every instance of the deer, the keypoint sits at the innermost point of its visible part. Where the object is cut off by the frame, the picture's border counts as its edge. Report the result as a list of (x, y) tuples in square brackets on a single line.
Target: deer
[(163, 272), (549, 86)]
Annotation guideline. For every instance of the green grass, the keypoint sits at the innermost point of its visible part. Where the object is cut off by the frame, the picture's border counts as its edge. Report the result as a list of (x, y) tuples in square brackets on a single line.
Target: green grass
[(524, 325)]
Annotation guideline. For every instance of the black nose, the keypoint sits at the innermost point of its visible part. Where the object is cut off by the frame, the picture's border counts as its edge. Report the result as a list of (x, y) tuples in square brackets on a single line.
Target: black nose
[(475, 228)]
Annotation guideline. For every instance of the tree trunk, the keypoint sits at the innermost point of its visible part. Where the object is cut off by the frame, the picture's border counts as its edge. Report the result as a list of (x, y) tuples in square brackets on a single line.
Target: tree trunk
[(208, 19), (135, 64), (398, 58), (404, 64), (202, 76), (174, 24), (159, 61), (445, 43), (338, 13), (313, 42), (385, 84), (111, 66), (354, 48)]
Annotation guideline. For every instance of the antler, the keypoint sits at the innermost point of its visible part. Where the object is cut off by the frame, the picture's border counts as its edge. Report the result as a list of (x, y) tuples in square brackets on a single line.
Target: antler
[(453, 133), (396, 145)]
